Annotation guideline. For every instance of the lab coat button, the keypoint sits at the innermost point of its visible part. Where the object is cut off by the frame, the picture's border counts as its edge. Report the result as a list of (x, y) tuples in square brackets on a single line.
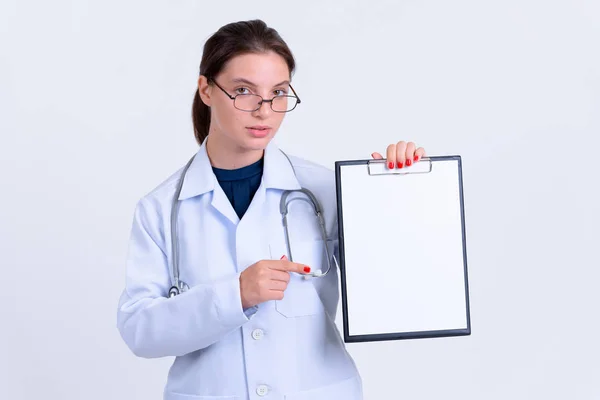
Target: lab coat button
[(257, 334), (262, 390)]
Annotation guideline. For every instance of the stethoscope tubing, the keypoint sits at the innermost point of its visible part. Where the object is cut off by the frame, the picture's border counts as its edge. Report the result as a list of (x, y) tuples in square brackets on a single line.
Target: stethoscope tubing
[(180, 286)]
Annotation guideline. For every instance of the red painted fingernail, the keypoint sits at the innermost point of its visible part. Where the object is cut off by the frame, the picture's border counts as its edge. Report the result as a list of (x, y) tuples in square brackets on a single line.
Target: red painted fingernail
[(416, 158), (307, 269), (390, 165), (408, 162), (282, 257), (400, 165)]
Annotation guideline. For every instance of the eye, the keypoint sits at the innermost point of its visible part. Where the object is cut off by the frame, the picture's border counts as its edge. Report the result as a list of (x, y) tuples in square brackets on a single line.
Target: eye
[(241, 90), (280, 92)]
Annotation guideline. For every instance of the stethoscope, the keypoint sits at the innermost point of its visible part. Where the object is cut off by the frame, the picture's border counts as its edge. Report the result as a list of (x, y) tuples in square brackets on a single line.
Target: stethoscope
[(180, 286)]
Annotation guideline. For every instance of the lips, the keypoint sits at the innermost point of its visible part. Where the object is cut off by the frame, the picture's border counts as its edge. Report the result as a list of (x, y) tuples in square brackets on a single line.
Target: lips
[(259, 131), (259, 127)]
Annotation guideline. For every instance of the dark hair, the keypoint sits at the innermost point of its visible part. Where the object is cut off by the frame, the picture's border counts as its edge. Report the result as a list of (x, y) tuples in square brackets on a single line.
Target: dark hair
[(232, 40)]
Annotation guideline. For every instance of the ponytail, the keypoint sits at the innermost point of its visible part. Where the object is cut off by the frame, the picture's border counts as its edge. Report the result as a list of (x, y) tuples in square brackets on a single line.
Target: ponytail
[(200, 118)]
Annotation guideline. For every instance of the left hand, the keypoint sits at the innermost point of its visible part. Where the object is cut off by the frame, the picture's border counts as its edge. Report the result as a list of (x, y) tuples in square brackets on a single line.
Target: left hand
[(401, 154)]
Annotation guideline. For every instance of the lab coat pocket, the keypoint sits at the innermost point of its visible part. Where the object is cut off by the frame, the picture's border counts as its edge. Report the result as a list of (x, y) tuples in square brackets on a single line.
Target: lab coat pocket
[(349, 389), (300, 298), (181, 396)]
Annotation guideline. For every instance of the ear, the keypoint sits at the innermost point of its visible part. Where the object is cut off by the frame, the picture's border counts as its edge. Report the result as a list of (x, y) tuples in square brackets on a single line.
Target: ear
[(205, 90)]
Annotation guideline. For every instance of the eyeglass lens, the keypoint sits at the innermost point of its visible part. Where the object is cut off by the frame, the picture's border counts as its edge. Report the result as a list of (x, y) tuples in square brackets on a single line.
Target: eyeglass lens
[(251, 102)]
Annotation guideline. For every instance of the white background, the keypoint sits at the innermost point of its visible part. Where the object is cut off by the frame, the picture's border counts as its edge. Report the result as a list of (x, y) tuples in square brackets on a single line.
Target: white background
[(95, 104)]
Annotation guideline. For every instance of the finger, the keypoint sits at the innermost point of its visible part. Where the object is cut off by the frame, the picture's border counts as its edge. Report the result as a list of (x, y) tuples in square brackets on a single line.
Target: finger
[(400, 154), (275, 295), (277, 285), (410, 153), (376, 156), (391, 156), (419, 154), (289, 266), (282, 276)]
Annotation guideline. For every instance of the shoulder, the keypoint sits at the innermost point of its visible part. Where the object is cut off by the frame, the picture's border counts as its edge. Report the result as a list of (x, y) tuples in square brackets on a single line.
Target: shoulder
[(312, 174), (158, 200), (320, 180)]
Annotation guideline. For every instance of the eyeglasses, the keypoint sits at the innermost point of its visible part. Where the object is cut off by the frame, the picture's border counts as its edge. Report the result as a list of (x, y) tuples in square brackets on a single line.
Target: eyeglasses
[(252, 102)]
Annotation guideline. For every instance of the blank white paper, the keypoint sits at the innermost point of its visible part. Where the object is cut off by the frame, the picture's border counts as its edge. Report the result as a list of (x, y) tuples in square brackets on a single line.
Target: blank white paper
[(403, 250)]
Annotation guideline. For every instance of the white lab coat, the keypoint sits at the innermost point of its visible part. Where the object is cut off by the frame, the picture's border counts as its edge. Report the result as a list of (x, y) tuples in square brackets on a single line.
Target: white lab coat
[(288, 349)]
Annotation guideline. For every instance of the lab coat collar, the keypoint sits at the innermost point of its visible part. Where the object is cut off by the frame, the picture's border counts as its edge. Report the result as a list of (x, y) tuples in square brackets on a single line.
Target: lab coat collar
[(277, 173)]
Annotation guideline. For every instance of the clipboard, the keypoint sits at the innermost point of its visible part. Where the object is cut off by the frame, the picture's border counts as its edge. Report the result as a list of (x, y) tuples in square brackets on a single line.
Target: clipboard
[(402, 242)]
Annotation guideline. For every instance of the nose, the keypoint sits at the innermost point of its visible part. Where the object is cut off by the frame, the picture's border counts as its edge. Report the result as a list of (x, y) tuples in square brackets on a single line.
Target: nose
[(264, 110)]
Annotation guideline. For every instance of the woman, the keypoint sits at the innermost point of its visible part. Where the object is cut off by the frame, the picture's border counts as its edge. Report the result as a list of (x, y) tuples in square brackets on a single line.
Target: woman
[(249, 326)]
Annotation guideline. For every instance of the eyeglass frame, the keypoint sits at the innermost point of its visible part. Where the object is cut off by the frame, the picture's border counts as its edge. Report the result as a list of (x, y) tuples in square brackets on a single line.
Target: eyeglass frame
[(262, 99)]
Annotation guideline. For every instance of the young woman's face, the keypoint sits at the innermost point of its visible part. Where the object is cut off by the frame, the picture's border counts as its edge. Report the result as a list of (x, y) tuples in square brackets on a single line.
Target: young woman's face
[(265, 74)]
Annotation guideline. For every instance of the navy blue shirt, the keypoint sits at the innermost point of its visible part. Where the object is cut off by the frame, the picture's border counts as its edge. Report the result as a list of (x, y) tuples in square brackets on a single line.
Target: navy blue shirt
[(240, 184)]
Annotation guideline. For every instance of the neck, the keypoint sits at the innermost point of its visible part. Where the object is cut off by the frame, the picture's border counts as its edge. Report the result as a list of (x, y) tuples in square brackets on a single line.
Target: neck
[(226, 155)]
